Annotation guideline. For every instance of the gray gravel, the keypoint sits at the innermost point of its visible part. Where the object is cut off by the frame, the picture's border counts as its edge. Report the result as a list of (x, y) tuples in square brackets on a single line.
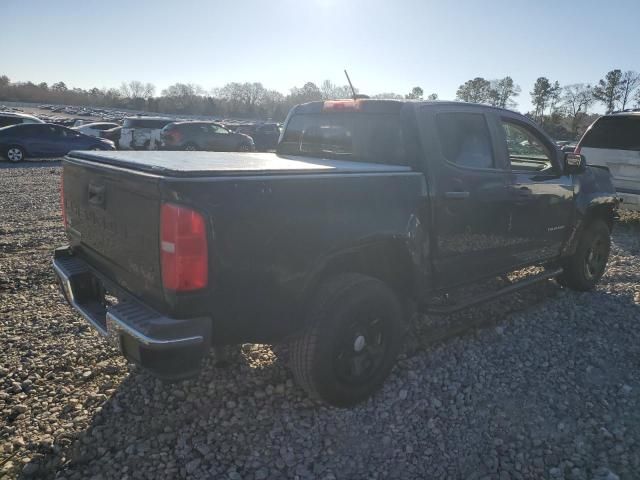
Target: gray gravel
[(542, 384)]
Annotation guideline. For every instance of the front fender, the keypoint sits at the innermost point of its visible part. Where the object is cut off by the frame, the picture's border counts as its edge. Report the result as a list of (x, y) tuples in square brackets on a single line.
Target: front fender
[(595, 197)]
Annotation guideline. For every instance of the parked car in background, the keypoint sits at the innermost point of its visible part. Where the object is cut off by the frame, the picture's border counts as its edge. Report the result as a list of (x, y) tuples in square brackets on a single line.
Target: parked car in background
[(142, 133), (204, 136), (112, 134), (7, 119), (45, 140), (613, 141), (94, 129), (265, 135)]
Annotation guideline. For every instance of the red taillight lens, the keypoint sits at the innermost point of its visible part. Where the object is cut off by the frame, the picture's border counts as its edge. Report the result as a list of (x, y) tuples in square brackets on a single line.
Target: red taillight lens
[(578, 148), (183, 249), (62, 206)]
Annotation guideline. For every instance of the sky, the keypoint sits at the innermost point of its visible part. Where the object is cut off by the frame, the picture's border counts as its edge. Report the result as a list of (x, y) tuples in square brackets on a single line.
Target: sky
[(387, 46)]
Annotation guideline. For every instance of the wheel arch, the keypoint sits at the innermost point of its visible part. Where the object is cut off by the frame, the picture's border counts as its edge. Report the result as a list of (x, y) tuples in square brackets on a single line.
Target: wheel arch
[(598, 208), (388, 260)]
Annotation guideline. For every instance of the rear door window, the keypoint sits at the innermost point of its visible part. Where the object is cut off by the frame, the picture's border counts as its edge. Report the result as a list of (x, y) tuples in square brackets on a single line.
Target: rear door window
[(614, 133), (465, 139), (219, 129)]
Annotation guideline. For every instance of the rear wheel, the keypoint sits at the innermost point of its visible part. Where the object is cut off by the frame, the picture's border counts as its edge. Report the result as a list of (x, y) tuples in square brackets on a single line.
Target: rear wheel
[(585, 267), (244, 148), (350, 346), (15, 154)]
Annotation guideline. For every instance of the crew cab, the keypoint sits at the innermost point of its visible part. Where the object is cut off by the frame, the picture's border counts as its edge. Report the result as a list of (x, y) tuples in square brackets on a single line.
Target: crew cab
[(369, 210)]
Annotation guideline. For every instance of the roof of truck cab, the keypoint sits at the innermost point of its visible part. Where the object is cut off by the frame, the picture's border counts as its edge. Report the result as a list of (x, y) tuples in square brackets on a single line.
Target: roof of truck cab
[(390, 105), (214, 164)]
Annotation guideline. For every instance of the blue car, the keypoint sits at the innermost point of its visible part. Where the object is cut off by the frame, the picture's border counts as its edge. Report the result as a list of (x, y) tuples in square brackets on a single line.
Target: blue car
[(18, 142)]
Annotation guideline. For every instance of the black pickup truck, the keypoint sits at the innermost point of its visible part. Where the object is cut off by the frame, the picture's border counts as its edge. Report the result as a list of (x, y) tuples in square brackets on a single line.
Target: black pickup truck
[(368, 211)]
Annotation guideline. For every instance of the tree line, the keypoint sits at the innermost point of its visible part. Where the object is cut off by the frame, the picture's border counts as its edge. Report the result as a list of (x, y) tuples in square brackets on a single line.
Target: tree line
[(564, 111)]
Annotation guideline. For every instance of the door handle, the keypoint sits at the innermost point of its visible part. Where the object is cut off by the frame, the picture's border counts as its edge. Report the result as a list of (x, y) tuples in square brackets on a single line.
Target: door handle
[(456, 195)]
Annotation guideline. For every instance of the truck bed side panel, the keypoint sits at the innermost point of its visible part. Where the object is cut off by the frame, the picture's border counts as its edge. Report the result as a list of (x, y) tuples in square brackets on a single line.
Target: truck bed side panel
[(272, 233)]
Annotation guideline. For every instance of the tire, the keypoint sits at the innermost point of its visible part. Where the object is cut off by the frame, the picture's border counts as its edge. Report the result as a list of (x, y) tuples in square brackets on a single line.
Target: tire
[(15, 154), (584, 269), (190, 147), (354, 334), (244, 148)]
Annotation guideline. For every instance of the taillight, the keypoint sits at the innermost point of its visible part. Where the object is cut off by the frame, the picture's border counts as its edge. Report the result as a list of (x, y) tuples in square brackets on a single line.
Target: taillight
[(578, 148), (62, 206), (183, 249)]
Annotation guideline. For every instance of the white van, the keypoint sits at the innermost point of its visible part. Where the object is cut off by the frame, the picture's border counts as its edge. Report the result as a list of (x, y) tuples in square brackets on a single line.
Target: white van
[(613, 141), (142, 133)]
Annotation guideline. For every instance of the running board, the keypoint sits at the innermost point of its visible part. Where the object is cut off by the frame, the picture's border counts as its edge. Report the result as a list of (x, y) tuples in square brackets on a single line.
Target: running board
[(514, 287)]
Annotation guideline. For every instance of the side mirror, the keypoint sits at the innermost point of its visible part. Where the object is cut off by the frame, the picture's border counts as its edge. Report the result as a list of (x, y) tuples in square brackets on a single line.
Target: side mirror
[(574, 163)]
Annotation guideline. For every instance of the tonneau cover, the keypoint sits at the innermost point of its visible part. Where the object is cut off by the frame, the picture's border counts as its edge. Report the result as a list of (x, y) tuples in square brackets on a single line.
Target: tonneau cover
[(213, 164)]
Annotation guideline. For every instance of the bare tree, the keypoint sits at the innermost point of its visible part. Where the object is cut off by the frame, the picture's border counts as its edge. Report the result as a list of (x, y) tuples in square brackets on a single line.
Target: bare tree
[(133, 89), (331, 91), (576, 100), (630, 81), (149, 91), (183, 90), (388, 96)]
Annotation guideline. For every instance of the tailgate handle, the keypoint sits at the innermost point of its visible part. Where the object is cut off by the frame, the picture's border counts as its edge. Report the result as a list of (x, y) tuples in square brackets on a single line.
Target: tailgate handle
[(96, 195), (456, 195)]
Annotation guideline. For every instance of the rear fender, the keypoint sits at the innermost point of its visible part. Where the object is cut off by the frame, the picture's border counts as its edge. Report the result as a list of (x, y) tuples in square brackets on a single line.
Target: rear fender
[(395, 260)]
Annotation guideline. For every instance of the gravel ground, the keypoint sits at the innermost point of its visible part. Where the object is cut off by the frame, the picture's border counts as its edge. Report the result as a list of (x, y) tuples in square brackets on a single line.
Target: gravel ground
[(542, 384)]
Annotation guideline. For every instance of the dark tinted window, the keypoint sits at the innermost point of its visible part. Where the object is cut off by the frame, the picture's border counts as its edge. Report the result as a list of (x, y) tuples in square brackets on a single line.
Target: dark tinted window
[(465, 139), (6, 121), (364, 137), (616, 133), (145, 123)]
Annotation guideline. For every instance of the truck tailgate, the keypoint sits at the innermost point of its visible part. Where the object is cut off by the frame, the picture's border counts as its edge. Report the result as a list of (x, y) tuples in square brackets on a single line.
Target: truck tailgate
[(113, 223)]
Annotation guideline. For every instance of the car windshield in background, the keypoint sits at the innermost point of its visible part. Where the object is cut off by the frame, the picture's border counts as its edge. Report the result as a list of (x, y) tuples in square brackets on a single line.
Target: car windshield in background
[(362, 137)]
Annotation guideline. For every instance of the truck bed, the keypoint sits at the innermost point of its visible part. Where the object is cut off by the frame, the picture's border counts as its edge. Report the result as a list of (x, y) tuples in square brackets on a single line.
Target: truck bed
[(215, 164)]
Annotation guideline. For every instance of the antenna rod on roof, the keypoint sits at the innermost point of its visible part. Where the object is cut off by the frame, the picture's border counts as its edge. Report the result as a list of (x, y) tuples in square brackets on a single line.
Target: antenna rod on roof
[(353, 90)]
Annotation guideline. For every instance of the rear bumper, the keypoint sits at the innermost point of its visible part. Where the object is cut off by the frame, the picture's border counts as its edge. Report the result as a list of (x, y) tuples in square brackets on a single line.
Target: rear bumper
[(168, 347)]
